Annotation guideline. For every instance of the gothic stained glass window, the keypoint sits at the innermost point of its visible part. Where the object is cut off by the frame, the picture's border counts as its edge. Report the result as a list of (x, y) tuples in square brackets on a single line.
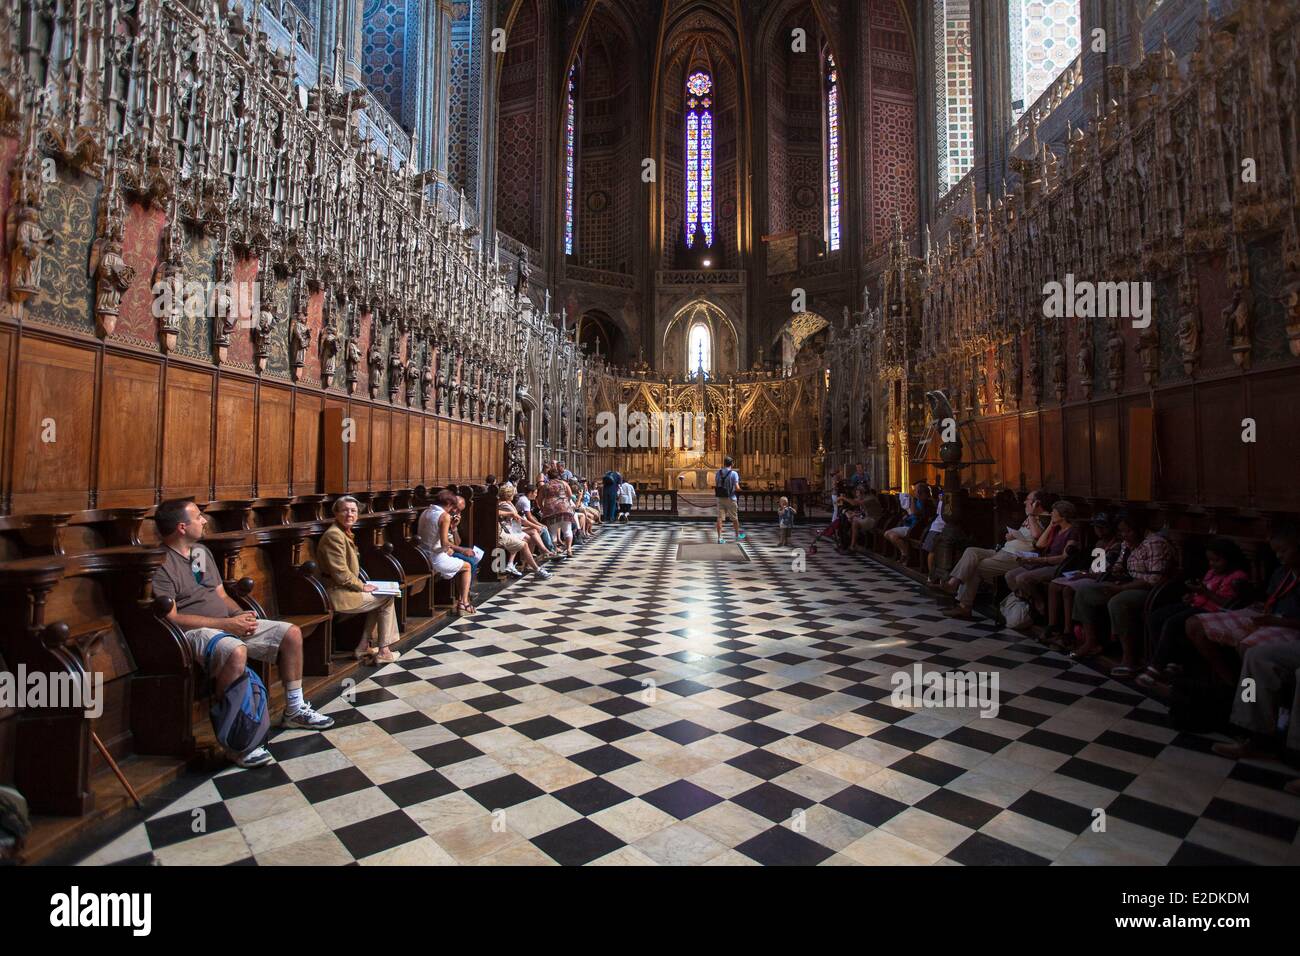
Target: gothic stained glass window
[(1044, 42), (699, 157), (954, 101), (832, 154), (699, 351), (570, 124)]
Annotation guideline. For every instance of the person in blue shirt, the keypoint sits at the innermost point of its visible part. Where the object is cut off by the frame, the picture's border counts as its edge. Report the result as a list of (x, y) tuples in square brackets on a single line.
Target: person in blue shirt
[(726, 484)]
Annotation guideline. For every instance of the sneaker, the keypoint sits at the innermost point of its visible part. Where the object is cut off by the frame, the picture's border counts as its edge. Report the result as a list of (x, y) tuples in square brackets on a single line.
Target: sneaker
[(513, 571), (542, 573), (741, 536), (720, 541), (306, 718), (260, 757)]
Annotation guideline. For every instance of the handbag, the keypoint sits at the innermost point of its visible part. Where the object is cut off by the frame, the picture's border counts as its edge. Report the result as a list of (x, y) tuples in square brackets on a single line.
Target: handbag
[(1016, 612)]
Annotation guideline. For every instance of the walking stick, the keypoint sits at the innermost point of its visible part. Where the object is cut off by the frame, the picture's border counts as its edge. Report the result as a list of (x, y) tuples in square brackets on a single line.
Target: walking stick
[(121, 777)]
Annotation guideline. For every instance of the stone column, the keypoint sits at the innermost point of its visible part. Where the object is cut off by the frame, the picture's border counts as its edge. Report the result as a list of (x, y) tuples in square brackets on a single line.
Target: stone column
[(991, 82)]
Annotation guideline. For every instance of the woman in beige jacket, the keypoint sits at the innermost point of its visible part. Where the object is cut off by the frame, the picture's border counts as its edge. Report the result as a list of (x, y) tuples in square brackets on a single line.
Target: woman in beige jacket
[(339, 563)]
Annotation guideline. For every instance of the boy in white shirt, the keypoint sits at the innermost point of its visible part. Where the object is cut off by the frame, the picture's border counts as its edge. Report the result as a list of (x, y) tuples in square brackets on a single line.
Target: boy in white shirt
[(626, 498)]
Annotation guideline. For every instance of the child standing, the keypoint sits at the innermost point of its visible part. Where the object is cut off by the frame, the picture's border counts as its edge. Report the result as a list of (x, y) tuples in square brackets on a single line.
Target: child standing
[(785, 520), (626, 497)]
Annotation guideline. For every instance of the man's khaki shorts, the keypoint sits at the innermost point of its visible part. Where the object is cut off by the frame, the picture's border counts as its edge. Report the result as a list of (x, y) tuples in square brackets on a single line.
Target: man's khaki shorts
[(263, 644), (727, 509)]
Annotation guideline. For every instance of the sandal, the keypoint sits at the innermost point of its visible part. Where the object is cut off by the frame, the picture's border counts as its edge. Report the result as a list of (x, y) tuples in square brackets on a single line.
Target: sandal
[(1085, 653), (392, 657), (463, 608), (1122, 672), (366, 656)]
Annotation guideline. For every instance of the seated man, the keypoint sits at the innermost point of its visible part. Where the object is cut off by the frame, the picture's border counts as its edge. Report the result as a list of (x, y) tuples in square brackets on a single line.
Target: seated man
[(1274, 669), (189, 575)]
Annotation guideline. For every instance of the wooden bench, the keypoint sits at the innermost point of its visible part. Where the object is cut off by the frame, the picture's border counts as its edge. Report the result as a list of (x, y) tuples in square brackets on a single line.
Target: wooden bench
[(260, 574), (81, 616)]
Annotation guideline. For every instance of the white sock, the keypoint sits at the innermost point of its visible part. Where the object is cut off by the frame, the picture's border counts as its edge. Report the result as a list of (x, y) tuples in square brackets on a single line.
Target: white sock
[(293, 696)]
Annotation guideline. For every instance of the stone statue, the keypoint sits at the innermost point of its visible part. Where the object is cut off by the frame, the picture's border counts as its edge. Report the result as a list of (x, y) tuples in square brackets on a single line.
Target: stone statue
[(352, 359), (112, 278), (261, 332), (1115, 357), (329, 350), (299, 342), (1237, 325), (27, 243), (375, 360), (1083, 357)]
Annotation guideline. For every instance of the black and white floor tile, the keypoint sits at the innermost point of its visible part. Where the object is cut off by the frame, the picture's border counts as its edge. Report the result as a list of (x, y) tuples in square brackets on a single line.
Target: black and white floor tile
[(640, 710)]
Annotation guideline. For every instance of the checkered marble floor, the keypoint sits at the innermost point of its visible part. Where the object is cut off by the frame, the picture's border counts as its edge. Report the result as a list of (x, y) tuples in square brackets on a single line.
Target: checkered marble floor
[(638, 710)]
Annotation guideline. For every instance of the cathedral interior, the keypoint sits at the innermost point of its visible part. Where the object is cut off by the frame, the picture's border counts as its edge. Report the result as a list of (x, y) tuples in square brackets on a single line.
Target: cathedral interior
[(261, 254)]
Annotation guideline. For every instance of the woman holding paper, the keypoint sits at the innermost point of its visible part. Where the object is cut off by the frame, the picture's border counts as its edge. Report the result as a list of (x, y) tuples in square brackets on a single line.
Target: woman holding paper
[(977, 564), (339, 563)]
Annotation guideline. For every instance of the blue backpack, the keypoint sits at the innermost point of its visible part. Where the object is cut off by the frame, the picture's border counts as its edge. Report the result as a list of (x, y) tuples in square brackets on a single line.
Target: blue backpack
[(241, 718)]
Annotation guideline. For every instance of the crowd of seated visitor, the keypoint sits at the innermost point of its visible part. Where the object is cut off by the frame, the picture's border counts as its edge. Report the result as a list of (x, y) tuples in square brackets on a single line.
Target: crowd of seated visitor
[(223, 636)]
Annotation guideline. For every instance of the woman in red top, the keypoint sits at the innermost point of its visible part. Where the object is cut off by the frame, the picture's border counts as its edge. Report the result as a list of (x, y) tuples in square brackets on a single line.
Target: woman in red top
[(1220, 589)]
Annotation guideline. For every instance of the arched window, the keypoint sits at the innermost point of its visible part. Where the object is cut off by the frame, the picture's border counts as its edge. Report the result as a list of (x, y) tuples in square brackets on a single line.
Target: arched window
[(954, 99), (570, 130), (1044, 41), (699, 351), (699, 158), (832, 155)]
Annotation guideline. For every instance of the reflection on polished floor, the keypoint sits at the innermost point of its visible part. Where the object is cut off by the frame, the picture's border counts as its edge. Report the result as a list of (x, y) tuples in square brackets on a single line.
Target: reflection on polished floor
[(638, 710)]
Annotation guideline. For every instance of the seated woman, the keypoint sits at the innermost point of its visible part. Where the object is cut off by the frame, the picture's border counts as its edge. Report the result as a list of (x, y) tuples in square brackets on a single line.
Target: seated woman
[(435, 530), (920, 511), (512, 537), (1056, 545), (340, 565), (1221, 636), (1116, 605), (1223, 585), (471, 556), (581, 519), (986, 564), (1060, 592), (851, 507), (866, 520)]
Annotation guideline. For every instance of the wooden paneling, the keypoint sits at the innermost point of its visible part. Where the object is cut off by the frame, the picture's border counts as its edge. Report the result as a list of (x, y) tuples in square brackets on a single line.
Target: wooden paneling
[(1175, 441), (307, 449), (52, 438), (431, 428), (359, 447), (187, 427), (334, 449), (381, 432), (398, 436), (274, 413), (1276, 452), (1221, 452), (1031, 451), (128, 433), (1011, 467), (415, 448), (1078, 450), (443, 463), (1107, 467), (1141, 441), (1053, 451), (236, 409)]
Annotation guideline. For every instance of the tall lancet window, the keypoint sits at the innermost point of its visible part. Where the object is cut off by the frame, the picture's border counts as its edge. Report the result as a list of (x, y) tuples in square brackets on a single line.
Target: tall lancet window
[(699, 158), (699, 351), (832, 154), (570, 131)]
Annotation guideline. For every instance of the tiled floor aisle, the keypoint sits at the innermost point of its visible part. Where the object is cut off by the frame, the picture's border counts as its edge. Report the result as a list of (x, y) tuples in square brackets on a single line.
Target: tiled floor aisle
[(529, 734)]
